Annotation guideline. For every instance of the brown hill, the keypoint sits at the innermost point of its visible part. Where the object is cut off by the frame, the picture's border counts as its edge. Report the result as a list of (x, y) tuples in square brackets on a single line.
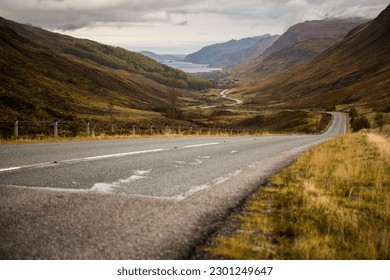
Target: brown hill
[(298, 44), (105, 55), (37, 83), (354, 71)]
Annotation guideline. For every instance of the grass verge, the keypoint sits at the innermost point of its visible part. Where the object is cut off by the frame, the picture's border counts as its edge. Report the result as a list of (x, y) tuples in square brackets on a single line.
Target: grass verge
[(332, 203)]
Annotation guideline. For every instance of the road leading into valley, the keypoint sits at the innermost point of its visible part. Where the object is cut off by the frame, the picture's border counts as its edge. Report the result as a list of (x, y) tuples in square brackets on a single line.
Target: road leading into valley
[(132, 199), (223, 94)]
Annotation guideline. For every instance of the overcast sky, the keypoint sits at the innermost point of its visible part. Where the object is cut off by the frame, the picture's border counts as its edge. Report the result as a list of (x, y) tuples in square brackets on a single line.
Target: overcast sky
[(178, 26)]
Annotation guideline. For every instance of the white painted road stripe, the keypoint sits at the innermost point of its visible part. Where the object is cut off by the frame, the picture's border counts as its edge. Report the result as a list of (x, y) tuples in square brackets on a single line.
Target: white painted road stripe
[(9, 169), (123, 154), (200, 145), (40, 165)]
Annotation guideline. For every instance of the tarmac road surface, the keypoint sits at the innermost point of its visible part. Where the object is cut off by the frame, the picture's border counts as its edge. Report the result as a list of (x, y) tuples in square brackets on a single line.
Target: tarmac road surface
[(132, 199)]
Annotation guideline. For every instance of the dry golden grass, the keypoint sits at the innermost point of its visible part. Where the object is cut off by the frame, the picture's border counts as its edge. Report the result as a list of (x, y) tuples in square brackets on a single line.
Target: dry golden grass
[(333, 203)]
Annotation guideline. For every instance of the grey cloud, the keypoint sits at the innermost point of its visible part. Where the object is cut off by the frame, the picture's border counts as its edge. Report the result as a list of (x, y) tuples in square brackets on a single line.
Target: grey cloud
[(70, 15)]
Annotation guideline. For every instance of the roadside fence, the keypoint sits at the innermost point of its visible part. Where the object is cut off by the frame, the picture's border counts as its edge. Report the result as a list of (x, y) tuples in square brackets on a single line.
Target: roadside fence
[(36, 130)]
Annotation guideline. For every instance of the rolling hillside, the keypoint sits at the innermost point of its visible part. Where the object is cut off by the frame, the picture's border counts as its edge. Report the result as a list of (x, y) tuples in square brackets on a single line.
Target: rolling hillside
[(298, 44), (354, 72), (38, 81), (105, 55)]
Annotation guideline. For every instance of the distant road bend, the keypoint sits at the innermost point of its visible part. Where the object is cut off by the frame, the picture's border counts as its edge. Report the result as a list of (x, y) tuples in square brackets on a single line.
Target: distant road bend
[(223, 95), (132, 199)]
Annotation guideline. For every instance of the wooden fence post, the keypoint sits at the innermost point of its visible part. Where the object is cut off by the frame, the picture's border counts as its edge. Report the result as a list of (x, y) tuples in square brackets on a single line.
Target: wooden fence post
[(56, 129), (88, 128), (16, 129)]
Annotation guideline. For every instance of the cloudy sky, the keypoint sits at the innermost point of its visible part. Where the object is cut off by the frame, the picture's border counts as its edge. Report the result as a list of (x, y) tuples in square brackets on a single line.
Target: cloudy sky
[(178, 26)]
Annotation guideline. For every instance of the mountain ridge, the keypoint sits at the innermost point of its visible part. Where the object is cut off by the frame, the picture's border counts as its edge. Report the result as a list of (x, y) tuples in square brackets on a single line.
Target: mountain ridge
[(217, 53), (355, 71), (298, 44)]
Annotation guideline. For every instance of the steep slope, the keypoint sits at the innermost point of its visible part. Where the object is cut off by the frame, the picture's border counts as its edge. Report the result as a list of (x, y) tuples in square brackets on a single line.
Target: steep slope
[(298, 44), (109, 56), (38, 83), (220, 52), (355, 71), (249, 53)]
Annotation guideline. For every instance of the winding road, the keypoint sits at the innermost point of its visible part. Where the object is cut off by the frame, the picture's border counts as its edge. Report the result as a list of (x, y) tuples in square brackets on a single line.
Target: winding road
[(224, 96), (132, 199)]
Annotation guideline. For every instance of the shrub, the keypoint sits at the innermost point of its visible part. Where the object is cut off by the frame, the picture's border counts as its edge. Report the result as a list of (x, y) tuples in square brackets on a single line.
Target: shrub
[(359, 123)]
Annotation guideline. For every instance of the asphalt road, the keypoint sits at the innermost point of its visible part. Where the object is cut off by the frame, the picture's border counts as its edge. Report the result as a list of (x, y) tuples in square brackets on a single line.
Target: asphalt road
[(132, 199)]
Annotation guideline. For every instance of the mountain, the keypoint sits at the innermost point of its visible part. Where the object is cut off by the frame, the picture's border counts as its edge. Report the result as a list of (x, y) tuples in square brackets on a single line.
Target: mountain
[(220, 52), (163, 57), (46, 76), (354, 72), (249, 53), (298, 44)]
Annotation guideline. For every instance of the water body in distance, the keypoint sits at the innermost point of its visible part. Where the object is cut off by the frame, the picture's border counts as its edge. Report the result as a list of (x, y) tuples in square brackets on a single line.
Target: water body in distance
[(189, 67)]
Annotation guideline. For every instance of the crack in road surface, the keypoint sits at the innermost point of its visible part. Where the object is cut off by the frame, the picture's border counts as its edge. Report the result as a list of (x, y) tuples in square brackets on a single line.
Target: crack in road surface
[(116, 201)]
